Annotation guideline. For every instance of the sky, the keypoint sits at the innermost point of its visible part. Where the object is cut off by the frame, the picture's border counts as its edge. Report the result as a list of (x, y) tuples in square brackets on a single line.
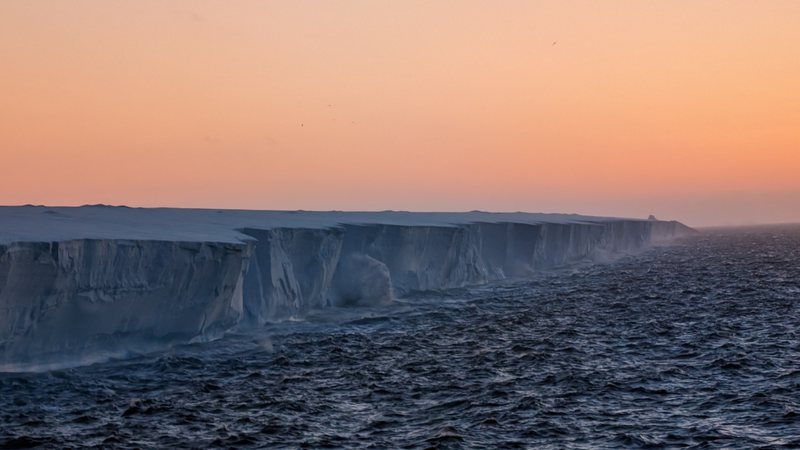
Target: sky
[(685, 110)]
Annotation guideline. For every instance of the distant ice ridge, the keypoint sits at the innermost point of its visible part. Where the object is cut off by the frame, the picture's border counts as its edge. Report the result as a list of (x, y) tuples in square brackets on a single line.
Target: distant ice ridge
[(94, 287)]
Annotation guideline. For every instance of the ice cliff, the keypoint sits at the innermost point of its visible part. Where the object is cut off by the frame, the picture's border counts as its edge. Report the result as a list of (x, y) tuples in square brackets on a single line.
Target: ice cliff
[(98, 280)]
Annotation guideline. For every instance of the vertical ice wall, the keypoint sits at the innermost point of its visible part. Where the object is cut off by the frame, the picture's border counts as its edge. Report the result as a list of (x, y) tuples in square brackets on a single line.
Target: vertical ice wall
[(296, 270), (290, 272), (81, 296), (92, 295)]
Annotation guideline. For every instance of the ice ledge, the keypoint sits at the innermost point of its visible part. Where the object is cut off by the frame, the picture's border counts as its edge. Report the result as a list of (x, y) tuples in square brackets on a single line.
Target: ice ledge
[(114, 280)]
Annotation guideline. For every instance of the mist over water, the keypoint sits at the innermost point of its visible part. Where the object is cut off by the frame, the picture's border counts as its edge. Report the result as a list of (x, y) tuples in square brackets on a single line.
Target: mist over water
[(693, 344)]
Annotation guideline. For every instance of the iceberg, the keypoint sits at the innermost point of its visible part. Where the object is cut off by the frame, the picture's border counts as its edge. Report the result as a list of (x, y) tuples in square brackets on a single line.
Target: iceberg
[(80, 284)]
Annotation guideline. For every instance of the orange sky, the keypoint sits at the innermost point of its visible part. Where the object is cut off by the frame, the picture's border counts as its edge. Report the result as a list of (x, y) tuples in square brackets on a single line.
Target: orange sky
[(686, 110)]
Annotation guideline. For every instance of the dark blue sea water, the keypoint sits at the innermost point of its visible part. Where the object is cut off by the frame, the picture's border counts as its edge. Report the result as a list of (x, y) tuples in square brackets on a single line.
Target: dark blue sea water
[(695, 344)]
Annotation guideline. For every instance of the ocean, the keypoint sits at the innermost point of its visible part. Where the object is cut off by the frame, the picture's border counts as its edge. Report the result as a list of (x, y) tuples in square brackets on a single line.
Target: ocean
[(694, 344)]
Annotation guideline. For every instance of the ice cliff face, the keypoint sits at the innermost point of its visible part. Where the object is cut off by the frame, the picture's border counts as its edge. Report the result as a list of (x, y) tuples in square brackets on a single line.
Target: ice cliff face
[(84, 296), (99, 294), (292, 271)]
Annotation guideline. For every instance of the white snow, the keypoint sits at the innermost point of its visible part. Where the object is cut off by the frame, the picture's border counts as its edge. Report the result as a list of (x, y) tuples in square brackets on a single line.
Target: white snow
[(43, 223)]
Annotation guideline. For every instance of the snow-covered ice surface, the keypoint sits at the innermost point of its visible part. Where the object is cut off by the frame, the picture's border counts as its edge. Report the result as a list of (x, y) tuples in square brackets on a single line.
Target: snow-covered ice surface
[(88, 283), (42, 223)]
